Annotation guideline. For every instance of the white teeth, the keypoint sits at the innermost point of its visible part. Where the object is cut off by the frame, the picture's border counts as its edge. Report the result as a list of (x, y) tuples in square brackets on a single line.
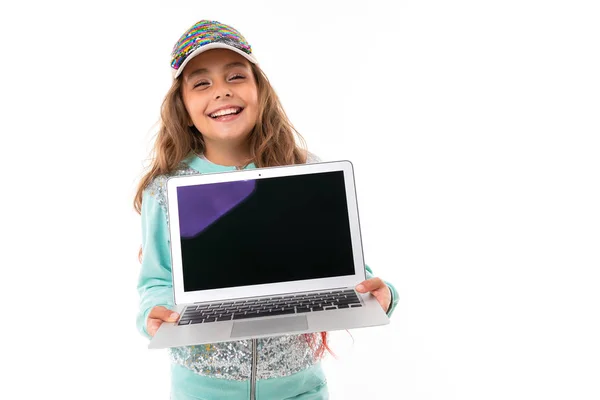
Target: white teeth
[(226, 111)]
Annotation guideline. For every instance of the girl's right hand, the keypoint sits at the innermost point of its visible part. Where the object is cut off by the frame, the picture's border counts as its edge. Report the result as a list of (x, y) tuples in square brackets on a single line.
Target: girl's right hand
[(157, 316)]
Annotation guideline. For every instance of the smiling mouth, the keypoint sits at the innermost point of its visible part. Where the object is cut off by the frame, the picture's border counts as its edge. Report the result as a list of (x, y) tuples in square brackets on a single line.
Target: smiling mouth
[(226, 112)]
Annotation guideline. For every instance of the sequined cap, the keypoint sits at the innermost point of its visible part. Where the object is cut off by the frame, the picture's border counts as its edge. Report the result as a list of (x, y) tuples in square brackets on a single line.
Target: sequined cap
[(205, 35)]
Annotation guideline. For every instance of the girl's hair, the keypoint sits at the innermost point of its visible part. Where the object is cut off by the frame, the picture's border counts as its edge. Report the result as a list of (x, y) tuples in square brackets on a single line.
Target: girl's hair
[(272, 143)]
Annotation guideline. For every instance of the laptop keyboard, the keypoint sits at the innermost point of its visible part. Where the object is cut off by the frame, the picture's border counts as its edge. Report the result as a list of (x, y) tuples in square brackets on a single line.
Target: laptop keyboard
[(270, 306)]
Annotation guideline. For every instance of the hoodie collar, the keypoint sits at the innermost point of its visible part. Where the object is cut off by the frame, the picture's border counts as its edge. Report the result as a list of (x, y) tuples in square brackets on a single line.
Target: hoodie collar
[(203, 165)]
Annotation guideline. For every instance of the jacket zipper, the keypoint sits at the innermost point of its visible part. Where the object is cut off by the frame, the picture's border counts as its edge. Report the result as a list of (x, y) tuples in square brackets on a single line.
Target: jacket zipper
[(254, 355), (253, 370)]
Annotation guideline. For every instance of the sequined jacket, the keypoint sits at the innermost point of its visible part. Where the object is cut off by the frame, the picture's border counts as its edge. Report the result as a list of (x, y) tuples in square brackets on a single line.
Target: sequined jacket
[(231, 367)]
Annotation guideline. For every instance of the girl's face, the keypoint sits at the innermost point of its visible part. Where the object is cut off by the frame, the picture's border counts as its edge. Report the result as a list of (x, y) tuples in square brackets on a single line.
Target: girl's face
[(221, 96)]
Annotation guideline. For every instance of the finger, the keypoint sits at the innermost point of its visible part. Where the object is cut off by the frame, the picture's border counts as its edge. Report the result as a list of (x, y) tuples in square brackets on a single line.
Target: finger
[(163, 313), (153, 325), (370, 285), (383, 303), (383, 296)]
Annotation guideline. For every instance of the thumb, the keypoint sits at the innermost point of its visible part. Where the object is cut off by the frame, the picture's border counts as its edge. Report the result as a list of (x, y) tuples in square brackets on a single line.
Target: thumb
[(163, 313), (370, 285)]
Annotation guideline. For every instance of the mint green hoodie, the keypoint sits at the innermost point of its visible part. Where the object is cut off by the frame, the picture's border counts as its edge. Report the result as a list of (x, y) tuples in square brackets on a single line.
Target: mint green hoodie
[(270, 368)]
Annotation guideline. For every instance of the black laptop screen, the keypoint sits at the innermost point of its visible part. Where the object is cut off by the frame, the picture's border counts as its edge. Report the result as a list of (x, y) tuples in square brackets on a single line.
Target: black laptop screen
[(264, 231)]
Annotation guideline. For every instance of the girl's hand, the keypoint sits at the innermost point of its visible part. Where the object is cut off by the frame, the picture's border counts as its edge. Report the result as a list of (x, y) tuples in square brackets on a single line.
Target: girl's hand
[(157, 316), (379, 289)]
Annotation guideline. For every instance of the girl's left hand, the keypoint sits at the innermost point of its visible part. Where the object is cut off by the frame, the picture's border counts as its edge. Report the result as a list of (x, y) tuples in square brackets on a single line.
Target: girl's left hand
[(379, 289)]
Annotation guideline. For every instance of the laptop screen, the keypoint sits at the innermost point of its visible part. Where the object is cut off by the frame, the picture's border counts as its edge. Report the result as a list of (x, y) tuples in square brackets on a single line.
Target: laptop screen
[(264, 231)]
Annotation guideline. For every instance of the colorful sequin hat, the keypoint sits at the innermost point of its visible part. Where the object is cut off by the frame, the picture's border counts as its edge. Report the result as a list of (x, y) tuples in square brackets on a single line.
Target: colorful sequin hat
[(206, 35)]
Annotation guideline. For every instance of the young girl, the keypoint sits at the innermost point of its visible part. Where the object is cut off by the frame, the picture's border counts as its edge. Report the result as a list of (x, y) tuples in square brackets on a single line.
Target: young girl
[(222, 114)]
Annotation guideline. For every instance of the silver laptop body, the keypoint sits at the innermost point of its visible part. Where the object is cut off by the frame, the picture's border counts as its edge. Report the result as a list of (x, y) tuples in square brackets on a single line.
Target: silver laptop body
[(265, 252)]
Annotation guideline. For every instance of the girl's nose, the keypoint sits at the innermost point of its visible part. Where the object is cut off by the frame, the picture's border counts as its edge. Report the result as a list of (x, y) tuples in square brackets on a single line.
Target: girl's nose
[(222, 91)]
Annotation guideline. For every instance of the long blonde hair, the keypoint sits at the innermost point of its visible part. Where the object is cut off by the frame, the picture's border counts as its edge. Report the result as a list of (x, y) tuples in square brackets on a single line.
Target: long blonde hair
[(273, 141)]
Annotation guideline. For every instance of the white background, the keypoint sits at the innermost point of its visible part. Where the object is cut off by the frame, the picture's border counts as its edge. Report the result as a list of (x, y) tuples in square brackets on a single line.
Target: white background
[(473, 127)]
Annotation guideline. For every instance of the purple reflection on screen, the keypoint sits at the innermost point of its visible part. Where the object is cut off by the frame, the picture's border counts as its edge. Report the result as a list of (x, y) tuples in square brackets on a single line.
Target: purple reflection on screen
[(201, 205)]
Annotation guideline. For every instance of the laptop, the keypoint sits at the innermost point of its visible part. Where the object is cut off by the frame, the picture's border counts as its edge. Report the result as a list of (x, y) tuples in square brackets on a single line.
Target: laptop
[(265, 252)]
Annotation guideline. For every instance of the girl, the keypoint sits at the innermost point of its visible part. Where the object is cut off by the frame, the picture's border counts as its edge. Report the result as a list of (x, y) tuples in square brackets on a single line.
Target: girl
[(222, 114)]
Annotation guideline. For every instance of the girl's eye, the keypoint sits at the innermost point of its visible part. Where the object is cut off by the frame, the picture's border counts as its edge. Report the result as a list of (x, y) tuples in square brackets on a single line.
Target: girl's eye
[(202, 83), (237, 76)]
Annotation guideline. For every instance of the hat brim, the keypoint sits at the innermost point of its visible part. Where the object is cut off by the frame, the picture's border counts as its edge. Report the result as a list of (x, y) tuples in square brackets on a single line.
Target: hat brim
[(211, 46)]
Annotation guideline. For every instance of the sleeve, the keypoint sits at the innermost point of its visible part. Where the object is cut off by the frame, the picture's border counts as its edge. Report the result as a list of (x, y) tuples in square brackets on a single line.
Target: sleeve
[(155, 283), (393, 291)]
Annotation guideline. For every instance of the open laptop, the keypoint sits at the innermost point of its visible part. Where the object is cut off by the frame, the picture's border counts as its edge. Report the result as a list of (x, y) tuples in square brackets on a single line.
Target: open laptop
[(265, 252)]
